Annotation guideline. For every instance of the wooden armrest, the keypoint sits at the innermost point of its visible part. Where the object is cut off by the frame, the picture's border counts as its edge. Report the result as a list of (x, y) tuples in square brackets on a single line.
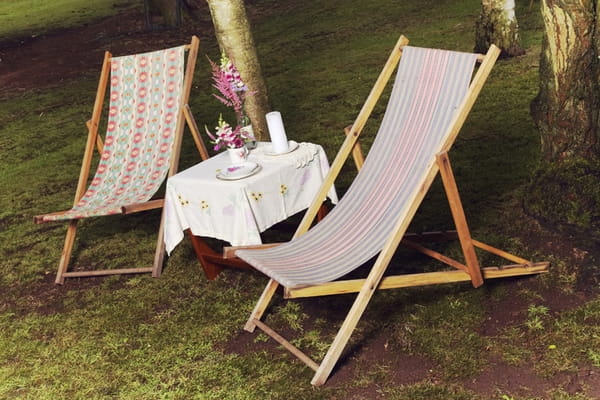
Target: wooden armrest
[(148, 205), (39, 219), (99, 142), (357, 153), (229, 251)]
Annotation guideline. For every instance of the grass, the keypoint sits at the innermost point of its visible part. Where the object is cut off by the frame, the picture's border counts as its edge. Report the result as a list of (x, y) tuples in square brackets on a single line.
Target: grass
[(23, 18), (178, 337)]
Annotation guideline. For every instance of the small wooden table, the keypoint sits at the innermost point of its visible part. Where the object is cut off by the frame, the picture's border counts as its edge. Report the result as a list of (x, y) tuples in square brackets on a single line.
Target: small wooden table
[(237, 211)]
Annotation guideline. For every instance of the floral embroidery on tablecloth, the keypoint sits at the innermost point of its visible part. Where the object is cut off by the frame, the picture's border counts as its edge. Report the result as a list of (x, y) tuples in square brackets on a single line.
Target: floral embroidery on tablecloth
[(257, 196), (182, 201)]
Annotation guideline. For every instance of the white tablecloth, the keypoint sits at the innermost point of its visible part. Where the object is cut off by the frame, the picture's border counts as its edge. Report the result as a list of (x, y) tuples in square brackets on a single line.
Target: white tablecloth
[(237, 211)]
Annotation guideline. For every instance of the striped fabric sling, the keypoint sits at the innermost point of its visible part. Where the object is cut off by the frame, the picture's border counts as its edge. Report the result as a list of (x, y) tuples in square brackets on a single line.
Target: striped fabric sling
[(429, 87)]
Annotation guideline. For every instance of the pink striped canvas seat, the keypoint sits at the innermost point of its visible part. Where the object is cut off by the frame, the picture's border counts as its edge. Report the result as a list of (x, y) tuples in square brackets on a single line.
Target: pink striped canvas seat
[(145, 91), (429, 87)]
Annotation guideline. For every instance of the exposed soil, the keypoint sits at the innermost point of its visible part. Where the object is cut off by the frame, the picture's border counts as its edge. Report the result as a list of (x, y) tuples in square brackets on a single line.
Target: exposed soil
[(51, 59), (55, 58)]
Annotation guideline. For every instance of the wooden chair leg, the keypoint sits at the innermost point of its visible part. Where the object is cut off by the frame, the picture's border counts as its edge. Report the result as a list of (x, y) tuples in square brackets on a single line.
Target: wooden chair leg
[(261, 305), (460, 220), (66, 253), (159, 254), (343, 335)]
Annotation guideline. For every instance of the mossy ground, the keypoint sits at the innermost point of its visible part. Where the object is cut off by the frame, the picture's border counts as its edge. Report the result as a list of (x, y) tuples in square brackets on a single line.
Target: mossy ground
[(180, 336)]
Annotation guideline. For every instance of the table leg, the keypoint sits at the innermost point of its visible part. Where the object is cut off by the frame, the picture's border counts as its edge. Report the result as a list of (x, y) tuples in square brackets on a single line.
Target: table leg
[(212, 262), (323, 210)]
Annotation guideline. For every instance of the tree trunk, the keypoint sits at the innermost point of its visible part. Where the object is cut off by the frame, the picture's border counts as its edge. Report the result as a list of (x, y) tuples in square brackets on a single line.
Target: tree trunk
[(565, 190), (566, 108), (498, 25), (235, 39), (167, 9)]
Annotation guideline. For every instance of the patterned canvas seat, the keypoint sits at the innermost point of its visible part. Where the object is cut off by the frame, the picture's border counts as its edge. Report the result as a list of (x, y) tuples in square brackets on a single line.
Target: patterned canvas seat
[(146, 113)]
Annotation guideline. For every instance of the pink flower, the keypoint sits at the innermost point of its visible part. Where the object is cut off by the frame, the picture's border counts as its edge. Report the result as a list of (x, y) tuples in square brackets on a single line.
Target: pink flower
[(225, 136), (228, 81), (232, 93)]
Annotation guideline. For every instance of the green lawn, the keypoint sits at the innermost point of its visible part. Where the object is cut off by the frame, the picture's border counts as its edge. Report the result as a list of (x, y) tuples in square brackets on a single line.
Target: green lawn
[(180, 336), (22, 18)]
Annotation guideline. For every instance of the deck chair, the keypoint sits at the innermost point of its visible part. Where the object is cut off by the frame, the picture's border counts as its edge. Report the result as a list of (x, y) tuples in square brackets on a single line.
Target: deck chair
[(432, 95), (146, 116)]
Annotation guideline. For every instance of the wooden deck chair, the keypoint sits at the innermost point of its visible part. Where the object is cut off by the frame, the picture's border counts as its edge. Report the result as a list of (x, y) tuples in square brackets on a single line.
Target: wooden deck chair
[(146, 116), (433, 93)]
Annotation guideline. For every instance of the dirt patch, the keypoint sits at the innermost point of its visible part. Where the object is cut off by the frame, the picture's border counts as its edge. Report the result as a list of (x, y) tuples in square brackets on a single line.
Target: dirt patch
[(55, 58), (500, 378)]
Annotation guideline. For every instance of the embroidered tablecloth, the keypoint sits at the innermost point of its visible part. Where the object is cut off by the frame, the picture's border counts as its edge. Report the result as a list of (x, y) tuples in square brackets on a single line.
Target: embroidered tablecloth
[(237, 211)]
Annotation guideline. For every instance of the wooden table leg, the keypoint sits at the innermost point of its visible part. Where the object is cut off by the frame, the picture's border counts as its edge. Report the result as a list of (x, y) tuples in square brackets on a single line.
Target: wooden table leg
[(323, 210), (212, 262)]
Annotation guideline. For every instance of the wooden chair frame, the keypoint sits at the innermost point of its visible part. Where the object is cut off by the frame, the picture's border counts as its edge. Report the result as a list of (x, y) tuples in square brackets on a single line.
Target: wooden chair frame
[(94, 141), (468, 271)]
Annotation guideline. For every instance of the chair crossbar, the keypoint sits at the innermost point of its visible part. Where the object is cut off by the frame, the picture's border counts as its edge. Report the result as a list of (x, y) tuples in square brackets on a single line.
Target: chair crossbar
[(285, 343), (414, 280)]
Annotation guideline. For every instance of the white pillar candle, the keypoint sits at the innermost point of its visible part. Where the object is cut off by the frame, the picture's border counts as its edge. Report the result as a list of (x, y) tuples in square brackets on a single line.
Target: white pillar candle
[(277, 132)]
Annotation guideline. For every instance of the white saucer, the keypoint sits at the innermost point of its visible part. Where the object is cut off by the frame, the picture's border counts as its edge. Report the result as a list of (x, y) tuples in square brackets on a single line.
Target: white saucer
[(292, 145), (234, 172)]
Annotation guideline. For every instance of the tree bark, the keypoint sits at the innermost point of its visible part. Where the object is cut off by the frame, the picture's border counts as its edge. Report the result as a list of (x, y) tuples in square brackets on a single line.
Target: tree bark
[(566, 108), (498, 25), (235, 39), (565, 189), (167, 9)]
